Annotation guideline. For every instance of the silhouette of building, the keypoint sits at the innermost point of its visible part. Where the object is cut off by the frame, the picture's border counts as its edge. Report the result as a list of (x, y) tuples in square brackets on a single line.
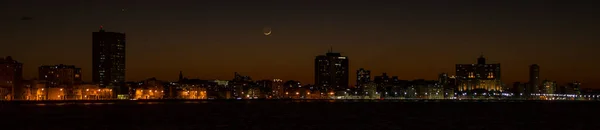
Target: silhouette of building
[(237, 77), (448, 82), (331, 71), (443, 78), (519, 90), (108, 58), (56, 75), (478, 76), (534, 78), (383, 79), (180, 77), (11, 75), (362, 77), (575, 87)]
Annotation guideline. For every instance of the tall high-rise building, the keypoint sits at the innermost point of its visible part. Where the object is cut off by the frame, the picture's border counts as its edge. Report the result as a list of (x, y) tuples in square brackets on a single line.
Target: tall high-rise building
[(534, 78), (277, 87), (11, 75), (56, 75), (363, 77), (108, 58), (332, 71), (478, 76)]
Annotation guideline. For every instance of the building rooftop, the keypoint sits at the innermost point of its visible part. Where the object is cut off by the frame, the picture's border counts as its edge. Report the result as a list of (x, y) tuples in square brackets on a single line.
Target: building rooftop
[(8, 59)]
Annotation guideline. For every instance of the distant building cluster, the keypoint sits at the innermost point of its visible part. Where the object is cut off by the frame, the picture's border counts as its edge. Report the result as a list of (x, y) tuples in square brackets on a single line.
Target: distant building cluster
[(480, 80)]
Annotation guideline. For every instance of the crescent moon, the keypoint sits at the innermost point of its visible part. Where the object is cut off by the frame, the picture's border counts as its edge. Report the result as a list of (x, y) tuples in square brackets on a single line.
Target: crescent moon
[(268, 33)]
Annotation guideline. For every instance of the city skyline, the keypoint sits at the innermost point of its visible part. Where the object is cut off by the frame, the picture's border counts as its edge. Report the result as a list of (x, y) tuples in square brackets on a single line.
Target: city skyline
[(210, 45), (333, 57)]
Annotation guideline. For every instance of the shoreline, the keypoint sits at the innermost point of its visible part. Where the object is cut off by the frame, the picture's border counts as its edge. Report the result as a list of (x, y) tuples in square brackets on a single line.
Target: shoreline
[(291, 100)]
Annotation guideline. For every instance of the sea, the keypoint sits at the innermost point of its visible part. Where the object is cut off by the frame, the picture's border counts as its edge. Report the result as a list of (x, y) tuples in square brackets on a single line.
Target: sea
[(299, 115)]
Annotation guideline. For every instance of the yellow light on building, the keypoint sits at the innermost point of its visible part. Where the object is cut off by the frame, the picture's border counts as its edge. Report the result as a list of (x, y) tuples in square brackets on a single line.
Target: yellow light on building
[(87, 89), (61, 89)]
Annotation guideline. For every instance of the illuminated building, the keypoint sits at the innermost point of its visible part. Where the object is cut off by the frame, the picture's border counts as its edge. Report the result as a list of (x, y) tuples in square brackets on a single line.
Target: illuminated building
[(331, 71), (277, 87), (108, 59), (428, 89), (11, 75), (548, 87), (193, 93), (149, 89), (37, 90), (478, 76), (370, 91), (92, 92), (222, 82), (56, 75), (201, 89), (534, 78), (60, 76), (362, 77)]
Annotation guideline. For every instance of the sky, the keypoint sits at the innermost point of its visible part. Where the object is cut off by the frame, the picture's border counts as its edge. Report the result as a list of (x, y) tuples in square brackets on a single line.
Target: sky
[(214, 39)]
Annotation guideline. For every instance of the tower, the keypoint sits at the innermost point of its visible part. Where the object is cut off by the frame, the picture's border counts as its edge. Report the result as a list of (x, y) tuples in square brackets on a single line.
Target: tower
[(108, 58), (481, 60), (180, 76), (332, 71), (534, 78)]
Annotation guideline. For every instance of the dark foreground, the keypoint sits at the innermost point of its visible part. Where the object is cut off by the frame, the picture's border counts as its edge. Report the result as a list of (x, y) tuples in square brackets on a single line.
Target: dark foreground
[(260, 115)]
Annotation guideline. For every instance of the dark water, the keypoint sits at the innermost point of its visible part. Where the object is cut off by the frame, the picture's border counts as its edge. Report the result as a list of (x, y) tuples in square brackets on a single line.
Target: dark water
[(260, 115)]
